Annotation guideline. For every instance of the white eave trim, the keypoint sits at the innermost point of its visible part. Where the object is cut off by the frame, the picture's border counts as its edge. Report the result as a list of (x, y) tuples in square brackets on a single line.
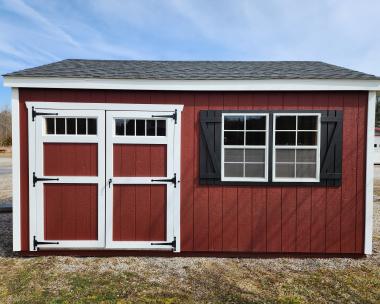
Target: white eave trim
[(194, 85)]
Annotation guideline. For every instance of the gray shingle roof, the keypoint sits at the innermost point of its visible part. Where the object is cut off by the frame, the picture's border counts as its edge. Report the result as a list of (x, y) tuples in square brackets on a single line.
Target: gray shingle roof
[(191, 70)]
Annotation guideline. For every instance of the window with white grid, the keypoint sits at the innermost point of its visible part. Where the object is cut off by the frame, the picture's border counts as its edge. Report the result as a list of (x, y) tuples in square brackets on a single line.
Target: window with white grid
[(244, 147), (296, 146)]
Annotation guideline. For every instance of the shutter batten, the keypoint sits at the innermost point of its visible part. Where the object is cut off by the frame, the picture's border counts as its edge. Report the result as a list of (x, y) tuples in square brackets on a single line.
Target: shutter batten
[(331, 147), (210, 146)]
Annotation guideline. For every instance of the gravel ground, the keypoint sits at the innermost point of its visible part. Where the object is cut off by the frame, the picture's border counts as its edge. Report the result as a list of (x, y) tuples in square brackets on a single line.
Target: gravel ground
[(5, 179), (6, 234)]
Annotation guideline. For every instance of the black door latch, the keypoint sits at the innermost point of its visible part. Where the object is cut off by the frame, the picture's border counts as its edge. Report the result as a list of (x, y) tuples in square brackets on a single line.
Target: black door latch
[(37, 243), (39, 179), (172, 180)]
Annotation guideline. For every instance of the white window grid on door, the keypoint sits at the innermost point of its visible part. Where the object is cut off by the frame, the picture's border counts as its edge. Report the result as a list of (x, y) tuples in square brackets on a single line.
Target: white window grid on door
[(246, 147), (37, 137), (296, 147), (172, 193)]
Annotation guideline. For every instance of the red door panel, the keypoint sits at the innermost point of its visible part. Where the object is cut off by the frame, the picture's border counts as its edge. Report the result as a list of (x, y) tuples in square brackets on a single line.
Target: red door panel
[(139, 160), (71, 211), (139, 213), (69, 159)]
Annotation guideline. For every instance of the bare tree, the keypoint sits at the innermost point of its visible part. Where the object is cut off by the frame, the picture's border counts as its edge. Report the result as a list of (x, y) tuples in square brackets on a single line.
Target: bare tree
[(5, 127)]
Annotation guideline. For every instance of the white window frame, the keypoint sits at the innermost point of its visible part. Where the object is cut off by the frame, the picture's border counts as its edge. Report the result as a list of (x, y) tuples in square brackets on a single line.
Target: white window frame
[(296, 147), (266, 148)]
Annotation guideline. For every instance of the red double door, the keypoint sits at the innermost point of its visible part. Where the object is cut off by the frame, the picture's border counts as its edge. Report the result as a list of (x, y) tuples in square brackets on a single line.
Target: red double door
[(102, 179)]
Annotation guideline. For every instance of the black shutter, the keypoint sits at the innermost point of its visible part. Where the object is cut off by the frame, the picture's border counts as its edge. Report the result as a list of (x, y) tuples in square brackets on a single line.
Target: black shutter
[(331, 147), (210, 147)]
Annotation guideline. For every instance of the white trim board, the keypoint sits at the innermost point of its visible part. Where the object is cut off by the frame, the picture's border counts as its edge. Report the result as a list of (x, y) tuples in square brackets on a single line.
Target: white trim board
[(16, 212), (194, 85), (105, 106), (371, 110)]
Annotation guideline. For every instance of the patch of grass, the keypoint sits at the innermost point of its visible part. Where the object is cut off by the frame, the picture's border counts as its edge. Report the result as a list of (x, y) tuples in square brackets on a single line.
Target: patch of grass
[(36, 284)]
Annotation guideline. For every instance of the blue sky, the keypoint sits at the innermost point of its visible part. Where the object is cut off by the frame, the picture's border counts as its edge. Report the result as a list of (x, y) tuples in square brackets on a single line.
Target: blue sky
[(37, 32)]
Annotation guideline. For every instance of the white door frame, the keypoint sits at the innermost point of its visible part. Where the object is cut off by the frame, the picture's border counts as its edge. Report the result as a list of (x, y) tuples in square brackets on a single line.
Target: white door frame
[(172, 168), (87, 107)]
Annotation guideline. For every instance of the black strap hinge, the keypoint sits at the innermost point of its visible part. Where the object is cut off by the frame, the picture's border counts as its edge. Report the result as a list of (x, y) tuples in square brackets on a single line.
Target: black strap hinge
[(34, 113), (172, 180), (37, 243), (38, 179), (173, 116), (173, 243)]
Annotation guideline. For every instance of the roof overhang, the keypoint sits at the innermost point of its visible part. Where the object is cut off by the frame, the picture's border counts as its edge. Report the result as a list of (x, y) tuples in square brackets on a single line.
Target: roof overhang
[(195, 85)]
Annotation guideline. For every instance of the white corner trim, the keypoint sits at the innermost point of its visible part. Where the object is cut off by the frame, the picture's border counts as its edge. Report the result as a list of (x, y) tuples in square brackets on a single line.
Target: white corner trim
[(369, 172), (195, 85), (16, 214)]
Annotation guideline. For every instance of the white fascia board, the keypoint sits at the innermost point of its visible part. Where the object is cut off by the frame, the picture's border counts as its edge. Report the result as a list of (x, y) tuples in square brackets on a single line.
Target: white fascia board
[(369, 173), (194, 85)]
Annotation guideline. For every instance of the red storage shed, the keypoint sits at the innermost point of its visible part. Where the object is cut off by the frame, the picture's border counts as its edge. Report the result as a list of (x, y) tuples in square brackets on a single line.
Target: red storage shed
[(192, 157)]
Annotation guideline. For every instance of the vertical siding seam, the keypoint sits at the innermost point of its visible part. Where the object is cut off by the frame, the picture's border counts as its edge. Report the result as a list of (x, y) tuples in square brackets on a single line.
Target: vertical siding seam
[(357, 162), (195, 121)]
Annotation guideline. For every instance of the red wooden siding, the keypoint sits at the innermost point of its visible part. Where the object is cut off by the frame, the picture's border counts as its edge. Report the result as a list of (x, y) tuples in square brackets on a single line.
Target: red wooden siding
[(139, 160), (71, 211), (247, 219), (139, 213), (69, 159)]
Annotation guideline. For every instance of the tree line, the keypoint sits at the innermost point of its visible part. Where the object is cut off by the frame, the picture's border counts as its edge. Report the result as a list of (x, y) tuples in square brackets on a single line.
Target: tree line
[(5, 127)]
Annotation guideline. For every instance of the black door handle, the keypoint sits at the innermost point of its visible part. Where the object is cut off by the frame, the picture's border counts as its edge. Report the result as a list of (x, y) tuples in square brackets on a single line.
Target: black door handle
[(109, 182)]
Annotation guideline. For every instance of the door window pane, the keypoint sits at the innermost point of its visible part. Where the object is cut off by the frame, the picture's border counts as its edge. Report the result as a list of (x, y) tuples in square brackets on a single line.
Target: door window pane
[(150, 127), (92, 126), (71, 125), (140, 127), (60, 126), (161, 127), (81, 126), (129, 127), (50, 125), (119, 126)]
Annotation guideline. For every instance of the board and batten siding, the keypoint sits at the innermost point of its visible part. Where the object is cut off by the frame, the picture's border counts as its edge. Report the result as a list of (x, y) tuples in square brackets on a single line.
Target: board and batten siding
[(248, 219)]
